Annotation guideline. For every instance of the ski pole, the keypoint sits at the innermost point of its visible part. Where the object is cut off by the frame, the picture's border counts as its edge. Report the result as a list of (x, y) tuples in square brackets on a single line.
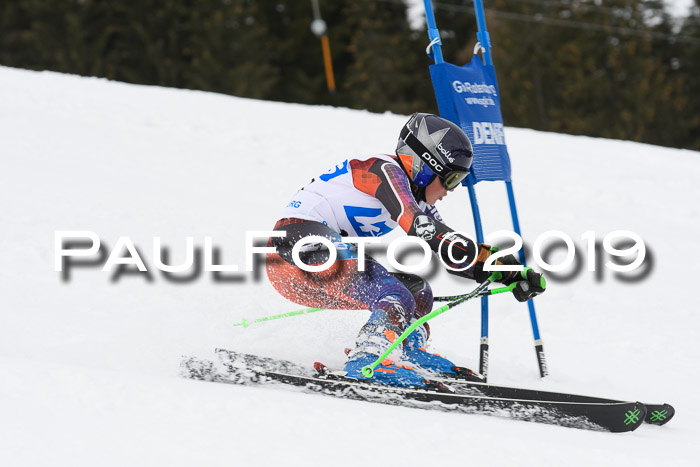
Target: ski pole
[(245, 323), (481, 290), (448, 298)]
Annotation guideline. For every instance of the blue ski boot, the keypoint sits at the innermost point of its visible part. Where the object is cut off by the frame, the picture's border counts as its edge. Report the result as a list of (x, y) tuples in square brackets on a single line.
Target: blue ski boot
[(374, 338), (415, 354)]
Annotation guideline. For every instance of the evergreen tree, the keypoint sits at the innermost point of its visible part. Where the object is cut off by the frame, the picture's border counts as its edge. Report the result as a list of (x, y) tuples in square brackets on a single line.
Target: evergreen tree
[(575, 66), (688, 66), (388, 70), (596, 81), (15, 24), (231, 50), (457, 24), (519, 55)]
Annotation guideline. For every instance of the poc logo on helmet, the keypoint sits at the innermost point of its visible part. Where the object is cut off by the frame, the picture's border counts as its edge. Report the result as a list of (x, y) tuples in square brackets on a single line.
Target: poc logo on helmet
[(435, 164)]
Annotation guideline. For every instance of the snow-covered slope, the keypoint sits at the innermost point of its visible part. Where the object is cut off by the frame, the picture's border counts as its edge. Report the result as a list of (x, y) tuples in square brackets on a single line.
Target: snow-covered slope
[(89, 366)]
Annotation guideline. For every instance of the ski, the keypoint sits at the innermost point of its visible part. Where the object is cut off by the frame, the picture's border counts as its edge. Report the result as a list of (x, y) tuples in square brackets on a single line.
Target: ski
[(465, 381), (657, 414), (238, 368)]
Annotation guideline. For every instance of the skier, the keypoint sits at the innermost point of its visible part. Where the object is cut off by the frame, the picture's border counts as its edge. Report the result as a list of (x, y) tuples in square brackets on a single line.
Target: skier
[(370, 196)]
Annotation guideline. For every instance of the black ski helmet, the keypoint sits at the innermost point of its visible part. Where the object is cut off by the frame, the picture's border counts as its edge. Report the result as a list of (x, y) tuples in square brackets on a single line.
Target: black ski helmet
[(430, 146)]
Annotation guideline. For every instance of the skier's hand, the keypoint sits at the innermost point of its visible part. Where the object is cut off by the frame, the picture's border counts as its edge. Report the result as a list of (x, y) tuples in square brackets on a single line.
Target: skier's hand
[(506, 277), (529, 284)]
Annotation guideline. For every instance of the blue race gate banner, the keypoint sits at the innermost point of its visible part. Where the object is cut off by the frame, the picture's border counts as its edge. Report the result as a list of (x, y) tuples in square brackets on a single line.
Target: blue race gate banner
[(468, 96)]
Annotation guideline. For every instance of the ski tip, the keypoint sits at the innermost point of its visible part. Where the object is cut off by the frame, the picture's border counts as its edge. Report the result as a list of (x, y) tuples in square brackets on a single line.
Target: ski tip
[(633, 417), (659, 414)]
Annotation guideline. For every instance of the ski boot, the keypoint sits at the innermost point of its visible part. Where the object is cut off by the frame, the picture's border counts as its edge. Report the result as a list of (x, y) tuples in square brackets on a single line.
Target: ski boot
[(374, 338), (415, 354)]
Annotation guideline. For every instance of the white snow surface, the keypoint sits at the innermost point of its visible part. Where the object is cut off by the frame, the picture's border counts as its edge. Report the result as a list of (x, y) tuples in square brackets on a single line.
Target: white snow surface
[(89, 367)]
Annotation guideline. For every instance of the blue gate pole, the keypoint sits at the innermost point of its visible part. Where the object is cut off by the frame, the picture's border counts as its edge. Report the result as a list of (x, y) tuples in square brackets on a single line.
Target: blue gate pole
[(482, 34), (539, 348), (433, 32), (484, 341), (434, 36), (483, 37)]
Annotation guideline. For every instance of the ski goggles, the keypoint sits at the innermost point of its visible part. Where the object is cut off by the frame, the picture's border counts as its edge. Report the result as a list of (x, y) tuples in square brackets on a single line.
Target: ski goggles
[(453, 179), (449, 181)]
